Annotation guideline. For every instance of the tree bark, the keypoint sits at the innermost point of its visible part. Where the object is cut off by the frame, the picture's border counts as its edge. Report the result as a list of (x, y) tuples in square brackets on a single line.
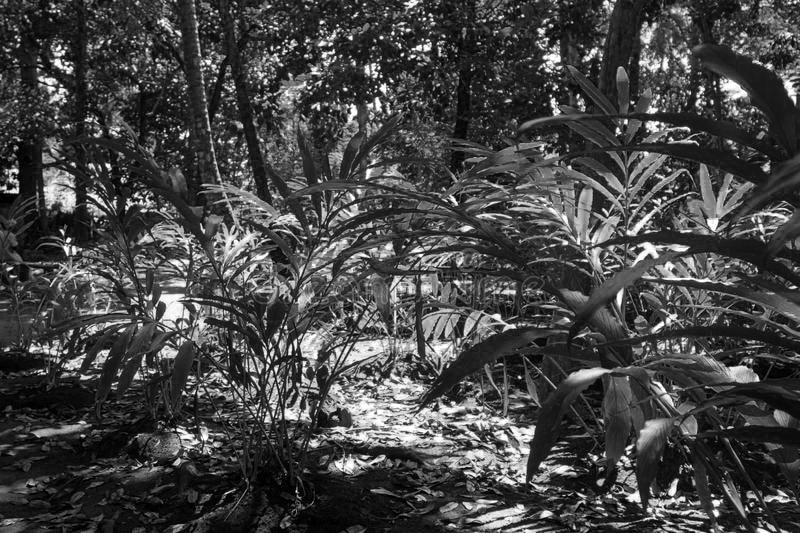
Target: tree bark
[(243, 103), (466, 50), (80, 93), (207, 171), (623, 33), (29, 148)]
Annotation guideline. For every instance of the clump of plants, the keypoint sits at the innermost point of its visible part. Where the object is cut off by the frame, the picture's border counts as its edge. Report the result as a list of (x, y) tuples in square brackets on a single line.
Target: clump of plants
[(644, 289), (258, 284)]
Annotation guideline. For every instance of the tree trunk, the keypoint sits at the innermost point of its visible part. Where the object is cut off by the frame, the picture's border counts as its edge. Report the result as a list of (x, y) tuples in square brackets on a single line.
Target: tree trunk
[(207, 171), (29, 148), (623, 33), (466, 50), (243, 104), (81, 109)]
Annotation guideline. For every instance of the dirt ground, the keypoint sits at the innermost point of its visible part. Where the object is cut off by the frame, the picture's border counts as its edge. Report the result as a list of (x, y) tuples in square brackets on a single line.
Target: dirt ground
[(458, 466)]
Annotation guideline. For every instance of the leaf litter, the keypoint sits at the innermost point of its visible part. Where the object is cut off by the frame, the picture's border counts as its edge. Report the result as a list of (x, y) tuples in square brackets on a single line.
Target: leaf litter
[(451, 466)]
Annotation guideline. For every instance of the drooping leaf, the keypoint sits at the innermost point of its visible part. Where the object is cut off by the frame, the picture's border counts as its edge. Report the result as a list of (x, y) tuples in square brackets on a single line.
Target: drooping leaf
[(548, 425), (181, 367), (701, 485), (772, 434), (733, 496), (641, 407), (649, 448), (762, 85), (718, 128), (608, 290), (98, 345), (783, 394), (530, 385), (617, 418), (750, 250), (128, 373), (112, 364), (604, 322), (783, 181), (691, 369), (483, 353), (141, 341)]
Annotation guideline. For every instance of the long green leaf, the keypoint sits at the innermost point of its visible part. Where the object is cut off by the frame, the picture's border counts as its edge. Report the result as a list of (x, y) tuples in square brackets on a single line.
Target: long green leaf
[(604, 322), (128, 373), (771, 434), (649, 448), (725, 130), (599, 99), (764, 87), (617, 417), (112, 364), (751, 250), (483, 353), (181, 367), (548, 425), (783, 394), (733, 332), (701, 485), (784, 180), (608, 290)]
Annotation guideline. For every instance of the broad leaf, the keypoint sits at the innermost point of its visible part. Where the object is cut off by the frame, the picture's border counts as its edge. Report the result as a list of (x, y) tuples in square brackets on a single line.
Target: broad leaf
[(764, 87), (548, 425), (649, 448), (701, 485), (772, 434), (181, 367), (617, 417), (112, 365), (783, 394), (483, 353), (608, 290), (598, 98)]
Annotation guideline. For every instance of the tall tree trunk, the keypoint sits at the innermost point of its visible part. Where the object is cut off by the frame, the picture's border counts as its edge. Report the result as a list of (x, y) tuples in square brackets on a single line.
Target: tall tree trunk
[(202, 141), (466, 50), (243, 104), (623, 32), (29, 148), (81, 109)]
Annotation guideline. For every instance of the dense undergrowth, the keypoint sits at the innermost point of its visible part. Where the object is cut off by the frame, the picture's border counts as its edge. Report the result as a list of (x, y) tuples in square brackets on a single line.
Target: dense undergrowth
[(651, 260)]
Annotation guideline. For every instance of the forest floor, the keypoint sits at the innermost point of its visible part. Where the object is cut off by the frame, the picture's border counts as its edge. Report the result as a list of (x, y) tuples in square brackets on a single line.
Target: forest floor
[(458, 466)]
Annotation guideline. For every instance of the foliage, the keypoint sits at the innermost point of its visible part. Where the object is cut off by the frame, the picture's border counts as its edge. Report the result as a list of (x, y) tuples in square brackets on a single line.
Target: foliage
[(706, 282)]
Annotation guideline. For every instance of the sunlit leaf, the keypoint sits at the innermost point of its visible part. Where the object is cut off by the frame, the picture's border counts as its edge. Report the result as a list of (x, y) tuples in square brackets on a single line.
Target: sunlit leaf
[(649, 448), (548, 424)]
